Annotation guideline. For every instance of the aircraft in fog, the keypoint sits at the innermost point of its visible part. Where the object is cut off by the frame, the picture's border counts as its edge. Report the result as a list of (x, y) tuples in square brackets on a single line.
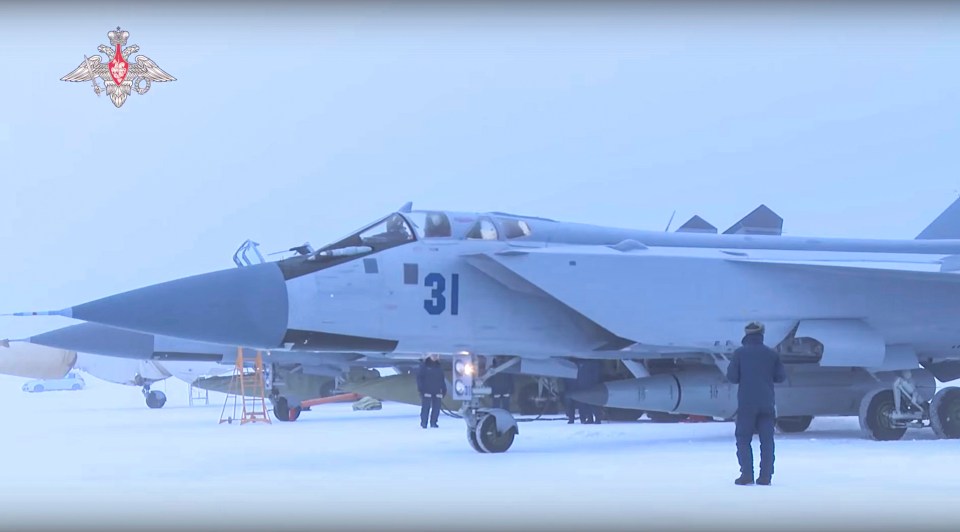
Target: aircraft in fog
[(291, 377), (857, 321), (37, 361)]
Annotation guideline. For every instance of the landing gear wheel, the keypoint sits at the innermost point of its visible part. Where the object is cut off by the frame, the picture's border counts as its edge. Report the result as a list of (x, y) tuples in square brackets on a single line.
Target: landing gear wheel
[(156, 399), (294, 413), (472, 438), (788, 424), (875, 422), (664, 417), (75, 387), (622, 414), (283, 411), (487, 437), (38, 388), (945, 413)]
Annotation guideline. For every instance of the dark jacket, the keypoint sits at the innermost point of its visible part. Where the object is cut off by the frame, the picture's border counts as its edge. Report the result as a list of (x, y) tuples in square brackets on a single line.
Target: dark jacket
[(588, 374), (430, 378), (756, 367), (501, 383)]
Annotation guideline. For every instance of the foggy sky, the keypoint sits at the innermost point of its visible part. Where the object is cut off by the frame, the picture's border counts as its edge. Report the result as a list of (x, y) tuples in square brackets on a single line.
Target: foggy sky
[(291, 123)]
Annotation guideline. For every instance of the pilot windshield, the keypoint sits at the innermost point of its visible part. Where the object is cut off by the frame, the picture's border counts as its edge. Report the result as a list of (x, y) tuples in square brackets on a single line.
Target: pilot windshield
[(387, 233), (390, 232)]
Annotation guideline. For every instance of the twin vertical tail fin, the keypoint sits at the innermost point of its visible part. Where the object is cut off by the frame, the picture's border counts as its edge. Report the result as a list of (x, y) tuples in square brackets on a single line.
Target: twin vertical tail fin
[(945, 226), (760, 221)]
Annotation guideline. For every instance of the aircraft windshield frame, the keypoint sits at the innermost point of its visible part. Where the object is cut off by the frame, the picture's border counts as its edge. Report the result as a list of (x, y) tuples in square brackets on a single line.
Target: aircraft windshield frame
[(389, 231), (430, 224)]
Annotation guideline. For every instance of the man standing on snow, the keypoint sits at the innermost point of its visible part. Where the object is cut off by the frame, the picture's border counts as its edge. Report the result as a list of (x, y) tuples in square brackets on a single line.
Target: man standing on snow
[(432, 386), (755, 368)]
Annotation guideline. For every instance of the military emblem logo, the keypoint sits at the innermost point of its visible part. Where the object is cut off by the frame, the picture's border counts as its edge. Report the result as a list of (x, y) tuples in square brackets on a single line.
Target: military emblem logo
[(119, 77)]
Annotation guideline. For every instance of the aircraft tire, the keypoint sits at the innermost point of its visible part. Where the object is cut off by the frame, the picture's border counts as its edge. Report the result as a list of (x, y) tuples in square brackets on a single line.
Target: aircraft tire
[(789, 424), (156, 399), (487, 437), (294, 413), (472, 439), (38, 388), (282, 410), (945, 413), (875, 410)]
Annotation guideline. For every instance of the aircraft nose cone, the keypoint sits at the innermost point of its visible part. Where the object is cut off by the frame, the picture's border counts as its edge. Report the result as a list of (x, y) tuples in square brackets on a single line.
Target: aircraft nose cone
[(597, 395), (98, 339), (243, 306)]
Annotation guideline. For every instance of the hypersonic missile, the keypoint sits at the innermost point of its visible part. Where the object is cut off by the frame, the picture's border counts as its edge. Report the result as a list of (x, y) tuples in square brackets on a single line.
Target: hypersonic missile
[(808, 391)]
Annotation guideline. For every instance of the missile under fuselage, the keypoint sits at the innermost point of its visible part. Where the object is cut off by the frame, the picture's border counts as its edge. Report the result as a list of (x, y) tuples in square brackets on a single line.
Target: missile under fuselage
[(810, 390)]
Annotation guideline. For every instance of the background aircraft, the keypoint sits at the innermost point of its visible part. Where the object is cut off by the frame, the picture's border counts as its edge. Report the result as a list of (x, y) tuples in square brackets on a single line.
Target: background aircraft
[(26, 359), (292, 377)]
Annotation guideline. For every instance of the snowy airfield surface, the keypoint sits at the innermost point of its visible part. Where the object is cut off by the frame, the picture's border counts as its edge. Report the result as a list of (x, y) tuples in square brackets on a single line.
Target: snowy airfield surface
[(99, 459)]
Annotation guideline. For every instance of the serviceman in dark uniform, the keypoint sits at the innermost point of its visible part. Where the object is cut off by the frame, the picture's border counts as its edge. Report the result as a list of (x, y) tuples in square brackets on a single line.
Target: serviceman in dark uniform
[(755, 368), (501, 387), (570, 385), (432, 387), (588, 376)]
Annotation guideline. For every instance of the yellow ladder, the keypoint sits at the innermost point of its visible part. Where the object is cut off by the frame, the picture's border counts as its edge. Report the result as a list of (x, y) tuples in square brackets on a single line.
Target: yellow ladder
[(254, 406)]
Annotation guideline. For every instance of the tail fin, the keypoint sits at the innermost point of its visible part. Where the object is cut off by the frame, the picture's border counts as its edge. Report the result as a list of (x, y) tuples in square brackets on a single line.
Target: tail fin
[(760, 221), (945, 226), (697, 225)]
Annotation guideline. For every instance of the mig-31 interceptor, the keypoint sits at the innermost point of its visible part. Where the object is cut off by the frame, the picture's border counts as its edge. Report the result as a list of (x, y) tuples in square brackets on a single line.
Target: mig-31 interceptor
[(864, 326)]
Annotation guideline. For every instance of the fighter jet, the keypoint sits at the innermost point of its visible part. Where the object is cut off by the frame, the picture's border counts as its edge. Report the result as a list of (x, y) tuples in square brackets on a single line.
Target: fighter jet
[(844, 312)]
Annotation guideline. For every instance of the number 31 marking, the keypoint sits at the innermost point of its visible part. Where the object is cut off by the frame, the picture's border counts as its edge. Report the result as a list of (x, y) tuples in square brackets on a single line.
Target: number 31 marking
[(438, 300)]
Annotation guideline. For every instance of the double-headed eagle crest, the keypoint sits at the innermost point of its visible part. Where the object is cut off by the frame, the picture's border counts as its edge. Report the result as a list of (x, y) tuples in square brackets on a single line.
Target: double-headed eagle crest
[(118, 75)]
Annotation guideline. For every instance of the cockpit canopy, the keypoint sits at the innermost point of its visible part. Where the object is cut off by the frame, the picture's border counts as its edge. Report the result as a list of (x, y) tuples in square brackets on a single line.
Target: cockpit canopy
[(470, 226), (401, 228), (431, 224), (388, 232)]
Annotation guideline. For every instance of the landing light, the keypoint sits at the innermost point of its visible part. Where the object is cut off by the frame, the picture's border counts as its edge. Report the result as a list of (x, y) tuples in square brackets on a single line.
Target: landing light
[(464, 368), (459, 387)]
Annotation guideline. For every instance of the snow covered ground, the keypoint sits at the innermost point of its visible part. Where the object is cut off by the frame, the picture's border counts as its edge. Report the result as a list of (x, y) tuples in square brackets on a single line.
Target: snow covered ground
[(98, 458)]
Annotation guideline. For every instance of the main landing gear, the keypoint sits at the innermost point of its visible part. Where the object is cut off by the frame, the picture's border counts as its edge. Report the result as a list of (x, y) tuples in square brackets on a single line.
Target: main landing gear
[(283, 411), (887, 413), (489, 430), (155, 398)]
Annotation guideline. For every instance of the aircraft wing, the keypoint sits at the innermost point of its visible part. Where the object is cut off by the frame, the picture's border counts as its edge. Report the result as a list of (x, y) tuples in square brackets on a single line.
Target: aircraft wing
[(697, 298)]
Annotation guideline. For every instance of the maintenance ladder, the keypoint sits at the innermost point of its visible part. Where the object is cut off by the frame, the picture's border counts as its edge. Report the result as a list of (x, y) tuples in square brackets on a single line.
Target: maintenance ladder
[(254, 405), (199, 394)]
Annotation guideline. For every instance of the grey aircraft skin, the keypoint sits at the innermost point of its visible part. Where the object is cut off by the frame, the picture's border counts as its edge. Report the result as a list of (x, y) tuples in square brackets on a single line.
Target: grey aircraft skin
[(469, 285)]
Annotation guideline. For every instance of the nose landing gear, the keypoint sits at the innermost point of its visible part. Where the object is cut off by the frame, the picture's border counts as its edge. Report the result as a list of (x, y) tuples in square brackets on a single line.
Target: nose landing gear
[(489, 430)]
